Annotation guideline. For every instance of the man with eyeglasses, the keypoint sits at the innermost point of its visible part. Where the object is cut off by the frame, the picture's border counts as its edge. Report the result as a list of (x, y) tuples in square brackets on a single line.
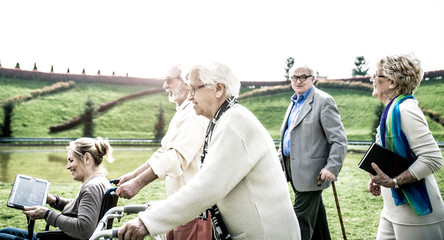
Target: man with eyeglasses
[(240, 181), (312, 150), (178, 158)]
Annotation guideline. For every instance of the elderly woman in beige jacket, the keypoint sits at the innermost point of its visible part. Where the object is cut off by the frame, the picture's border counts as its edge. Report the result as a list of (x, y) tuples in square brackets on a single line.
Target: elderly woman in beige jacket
[(240, 175)]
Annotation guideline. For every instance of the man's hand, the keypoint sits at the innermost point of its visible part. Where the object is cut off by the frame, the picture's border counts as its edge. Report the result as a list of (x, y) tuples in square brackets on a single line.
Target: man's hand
[(129, 189), (125, 178), (327, 175), (36, 212), (133, 230)]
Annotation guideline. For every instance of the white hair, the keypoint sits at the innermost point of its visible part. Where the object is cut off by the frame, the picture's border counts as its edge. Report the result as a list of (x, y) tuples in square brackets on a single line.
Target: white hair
[(218, 73)]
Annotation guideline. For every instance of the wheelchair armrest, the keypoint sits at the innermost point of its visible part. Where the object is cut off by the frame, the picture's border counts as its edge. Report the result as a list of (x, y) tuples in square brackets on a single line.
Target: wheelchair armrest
[(54, 235)]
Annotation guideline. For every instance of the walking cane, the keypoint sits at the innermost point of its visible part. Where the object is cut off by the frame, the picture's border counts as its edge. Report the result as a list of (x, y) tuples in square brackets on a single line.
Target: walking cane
[(337, 205), (339, 210)]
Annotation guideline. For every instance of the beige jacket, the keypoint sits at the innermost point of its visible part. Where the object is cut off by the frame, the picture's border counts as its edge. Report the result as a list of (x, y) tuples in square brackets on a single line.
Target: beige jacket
[(178, 158)]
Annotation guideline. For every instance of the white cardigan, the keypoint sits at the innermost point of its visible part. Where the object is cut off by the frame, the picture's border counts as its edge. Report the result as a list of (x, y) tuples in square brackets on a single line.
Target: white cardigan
[(423, 145), (242, 174)]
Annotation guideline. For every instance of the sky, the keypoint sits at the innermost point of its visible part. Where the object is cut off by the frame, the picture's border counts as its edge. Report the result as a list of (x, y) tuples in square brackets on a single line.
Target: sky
[(254, 38)]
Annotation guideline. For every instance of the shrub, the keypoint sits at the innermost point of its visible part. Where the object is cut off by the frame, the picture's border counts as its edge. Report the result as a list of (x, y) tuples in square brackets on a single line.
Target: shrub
[(87, 119), (435, 116), (378, 112), (8, 109), (344, 85), (160, 125), (264, 91)]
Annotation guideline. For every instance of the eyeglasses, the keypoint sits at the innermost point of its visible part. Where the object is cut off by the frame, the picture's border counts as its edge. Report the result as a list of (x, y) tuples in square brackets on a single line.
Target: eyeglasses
[(376, 76), (302, 78), (193, 90), (169, 80)]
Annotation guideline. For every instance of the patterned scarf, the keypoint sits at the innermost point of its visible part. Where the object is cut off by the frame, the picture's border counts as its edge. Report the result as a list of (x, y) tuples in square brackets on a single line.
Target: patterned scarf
[(394, 139), (220, 230)]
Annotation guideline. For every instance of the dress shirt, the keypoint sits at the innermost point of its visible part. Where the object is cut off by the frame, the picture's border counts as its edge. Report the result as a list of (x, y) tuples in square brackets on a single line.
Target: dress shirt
[(297, 105)]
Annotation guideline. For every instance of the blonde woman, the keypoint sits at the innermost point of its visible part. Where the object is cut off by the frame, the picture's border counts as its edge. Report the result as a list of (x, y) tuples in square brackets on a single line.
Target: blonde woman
[(413, 206), (79, 216)]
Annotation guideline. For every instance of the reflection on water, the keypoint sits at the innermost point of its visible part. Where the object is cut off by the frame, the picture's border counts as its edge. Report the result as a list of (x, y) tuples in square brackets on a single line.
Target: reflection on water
[(56, 158), (4, 160), (50, 163)]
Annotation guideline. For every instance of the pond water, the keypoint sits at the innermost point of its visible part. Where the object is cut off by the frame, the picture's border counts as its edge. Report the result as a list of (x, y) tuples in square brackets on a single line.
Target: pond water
[(50, 162)]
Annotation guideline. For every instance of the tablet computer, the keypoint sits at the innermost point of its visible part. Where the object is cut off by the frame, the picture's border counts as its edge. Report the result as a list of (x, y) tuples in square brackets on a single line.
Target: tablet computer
[(27, 192)]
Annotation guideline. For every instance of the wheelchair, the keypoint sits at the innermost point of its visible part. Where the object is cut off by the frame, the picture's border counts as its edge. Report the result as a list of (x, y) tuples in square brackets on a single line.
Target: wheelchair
[(109, 201), (105, 231)]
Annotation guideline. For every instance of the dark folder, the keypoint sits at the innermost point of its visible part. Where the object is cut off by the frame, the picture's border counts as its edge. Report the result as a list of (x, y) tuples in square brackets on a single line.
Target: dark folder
[(389, 162)]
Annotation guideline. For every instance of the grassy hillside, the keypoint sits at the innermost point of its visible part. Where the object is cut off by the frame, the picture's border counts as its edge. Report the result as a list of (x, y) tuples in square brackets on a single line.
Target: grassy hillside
[(430, 94), (136, 118), (356, 109), (133, 119)]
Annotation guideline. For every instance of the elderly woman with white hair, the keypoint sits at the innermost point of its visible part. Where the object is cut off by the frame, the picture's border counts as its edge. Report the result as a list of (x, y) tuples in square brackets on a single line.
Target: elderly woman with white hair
[(240, 181)]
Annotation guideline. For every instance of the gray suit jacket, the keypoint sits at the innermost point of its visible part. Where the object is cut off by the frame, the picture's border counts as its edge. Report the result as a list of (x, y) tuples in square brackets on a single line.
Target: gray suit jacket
[(317, 141)]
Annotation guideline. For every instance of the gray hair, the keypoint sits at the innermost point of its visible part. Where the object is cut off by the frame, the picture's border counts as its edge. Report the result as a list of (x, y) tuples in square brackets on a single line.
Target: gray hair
[(405, 70), (218, 73)]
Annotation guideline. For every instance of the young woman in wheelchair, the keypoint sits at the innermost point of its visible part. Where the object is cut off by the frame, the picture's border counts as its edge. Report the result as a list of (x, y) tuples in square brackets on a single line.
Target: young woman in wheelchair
[(79, 216)]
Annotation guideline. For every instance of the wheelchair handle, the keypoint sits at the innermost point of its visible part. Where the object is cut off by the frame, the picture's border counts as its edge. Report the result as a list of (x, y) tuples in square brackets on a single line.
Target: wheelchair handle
[(134, 208), (115, 233)]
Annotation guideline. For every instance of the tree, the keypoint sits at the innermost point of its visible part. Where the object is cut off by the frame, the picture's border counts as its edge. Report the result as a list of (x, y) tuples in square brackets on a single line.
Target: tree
[(361, 68), (8, 109), (83, 72), (52, 69), (17, 66), (35, 67), (288, 65), (160, 125), (87, 118), (98, 72), (67, 71)]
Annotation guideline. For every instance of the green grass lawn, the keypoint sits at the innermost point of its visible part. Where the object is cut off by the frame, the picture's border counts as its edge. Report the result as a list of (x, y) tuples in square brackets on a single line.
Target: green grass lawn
[(360, 210)]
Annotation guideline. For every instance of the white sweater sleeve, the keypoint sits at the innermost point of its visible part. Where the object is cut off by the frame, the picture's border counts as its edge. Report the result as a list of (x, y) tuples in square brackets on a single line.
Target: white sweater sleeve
[(421, 141), (226, 164)]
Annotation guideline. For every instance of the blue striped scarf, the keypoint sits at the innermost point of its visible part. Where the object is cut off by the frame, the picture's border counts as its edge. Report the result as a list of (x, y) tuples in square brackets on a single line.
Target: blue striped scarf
[(394, 139)]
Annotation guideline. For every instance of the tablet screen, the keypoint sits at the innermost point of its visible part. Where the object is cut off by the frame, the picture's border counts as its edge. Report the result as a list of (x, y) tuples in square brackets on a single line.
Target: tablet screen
[(28, 191)]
